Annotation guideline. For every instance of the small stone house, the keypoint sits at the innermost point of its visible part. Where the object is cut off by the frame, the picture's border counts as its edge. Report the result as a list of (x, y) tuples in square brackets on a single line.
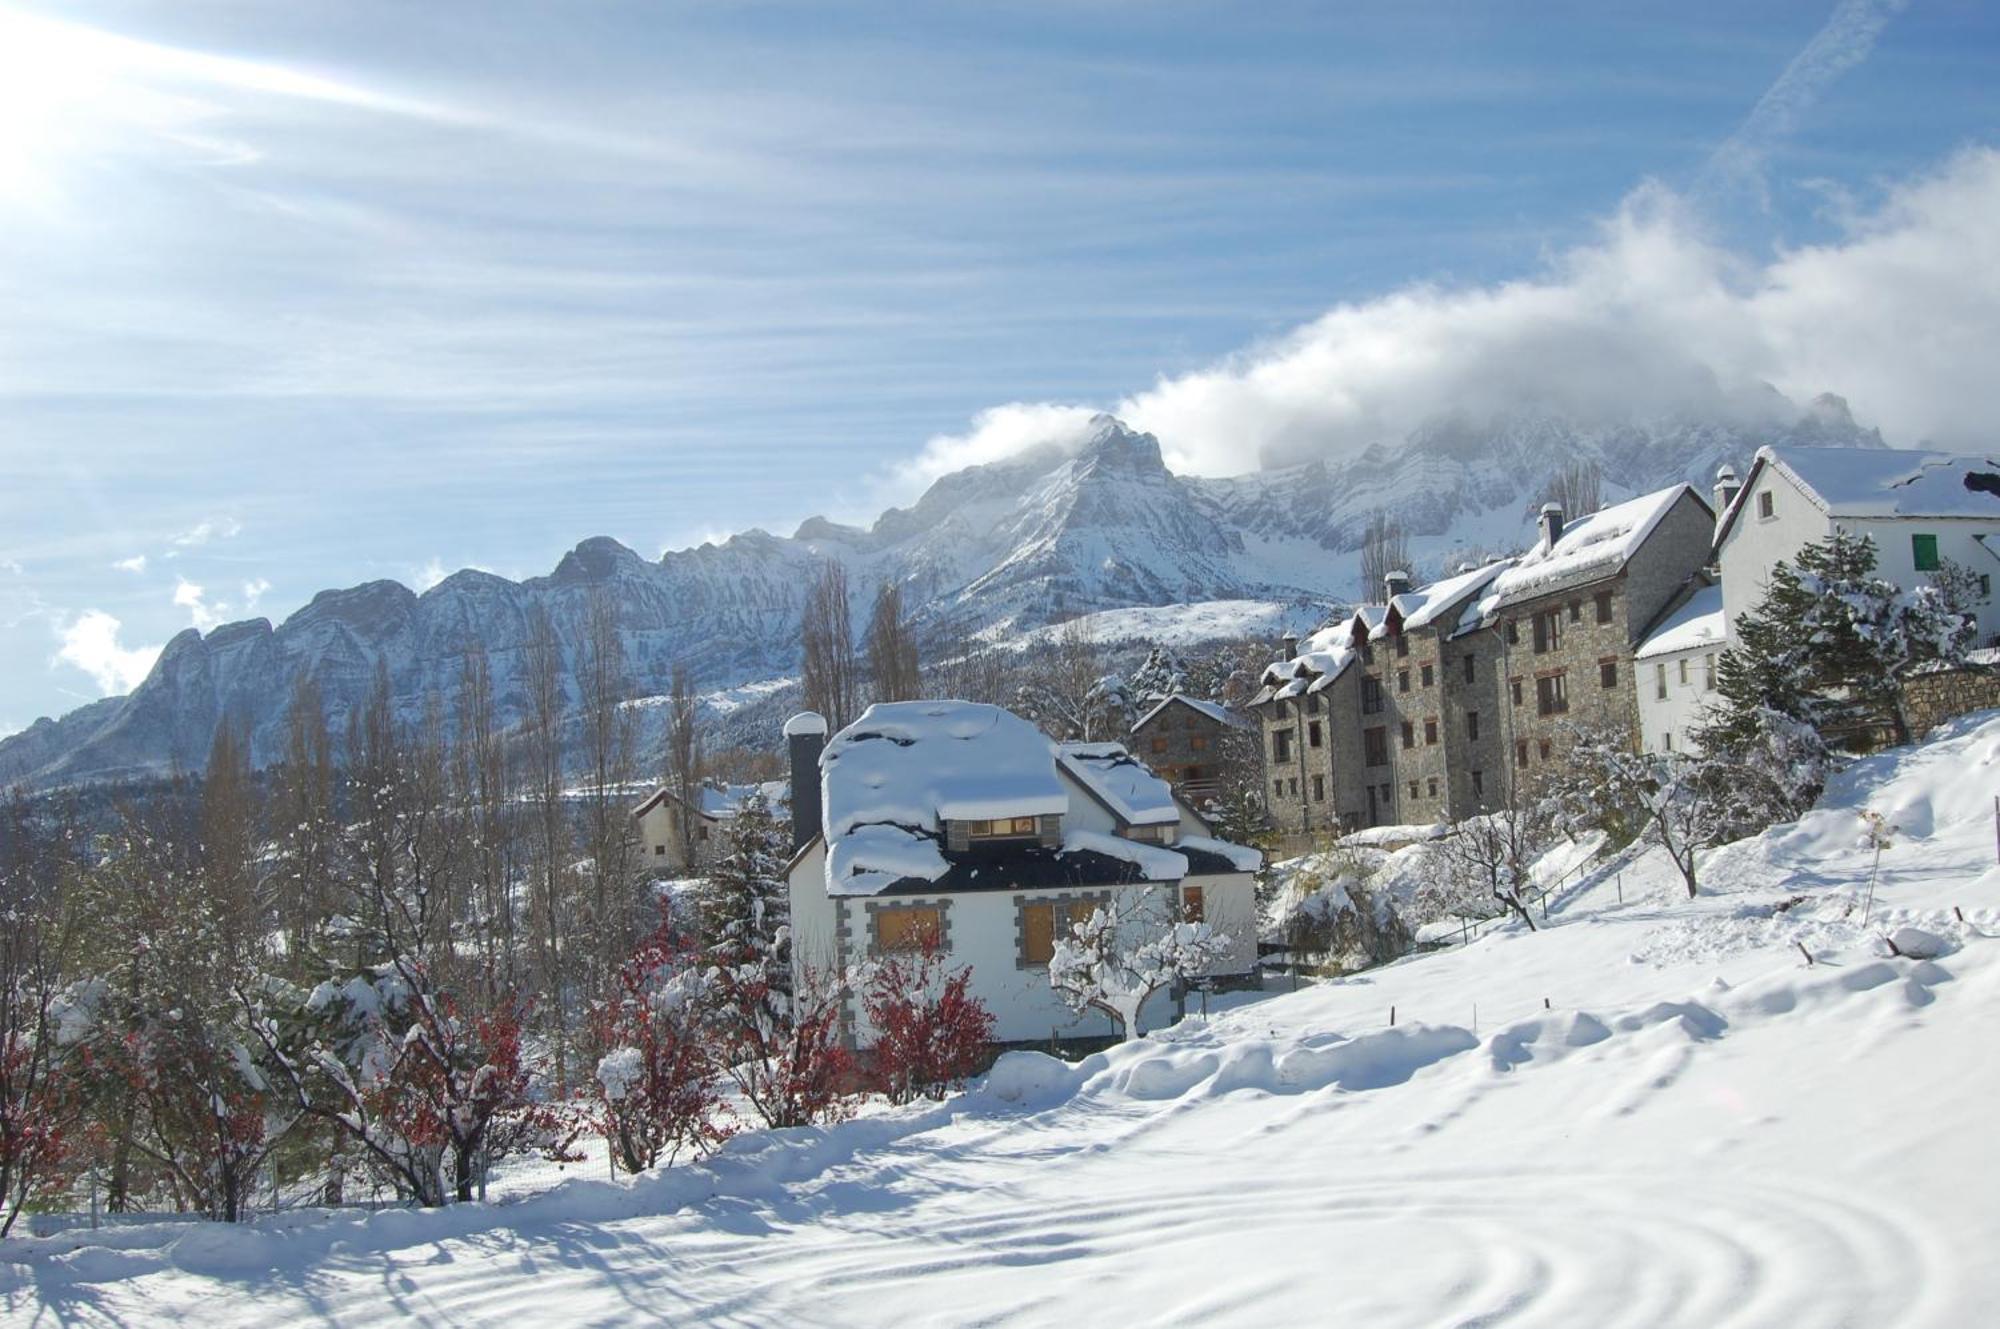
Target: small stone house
[(964, 823), (660, 819), (1189, 741)]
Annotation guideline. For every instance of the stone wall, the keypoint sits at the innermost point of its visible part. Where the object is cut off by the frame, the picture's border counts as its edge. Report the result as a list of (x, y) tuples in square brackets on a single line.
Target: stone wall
[(1934, 698)]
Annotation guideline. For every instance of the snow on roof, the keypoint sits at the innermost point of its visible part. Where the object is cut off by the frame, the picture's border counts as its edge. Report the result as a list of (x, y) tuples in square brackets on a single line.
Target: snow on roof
[(1698, 622), (725, 801), (1136, 795), (1427, 604), (805, 722), (1241, 857), (1589, 547), (1321, 659), (1158, 864), (1892, 482), (1214, 710)]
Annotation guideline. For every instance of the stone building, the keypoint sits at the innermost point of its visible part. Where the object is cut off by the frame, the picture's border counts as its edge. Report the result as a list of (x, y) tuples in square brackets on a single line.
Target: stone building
[(1444, 698), (1191, 743)]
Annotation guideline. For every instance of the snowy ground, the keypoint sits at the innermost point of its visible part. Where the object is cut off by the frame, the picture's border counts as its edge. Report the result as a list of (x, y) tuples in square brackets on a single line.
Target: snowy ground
[(1697, 1129)]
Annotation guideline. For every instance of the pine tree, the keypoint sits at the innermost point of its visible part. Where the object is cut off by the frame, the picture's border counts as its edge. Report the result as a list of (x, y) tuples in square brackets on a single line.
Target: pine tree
[(742, 910), (1161, 674)]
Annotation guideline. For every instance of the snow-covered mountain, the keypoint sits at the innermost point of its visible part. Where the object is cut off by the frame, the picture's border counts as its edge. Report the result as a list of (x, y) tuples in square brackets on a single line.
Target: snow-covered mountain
[(992, 549)]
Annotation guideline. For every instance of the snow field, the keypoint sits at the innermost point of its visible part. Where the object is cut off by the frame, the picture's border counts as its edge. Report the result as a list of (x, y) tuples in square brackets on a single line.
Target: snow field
[(1699, 1128)]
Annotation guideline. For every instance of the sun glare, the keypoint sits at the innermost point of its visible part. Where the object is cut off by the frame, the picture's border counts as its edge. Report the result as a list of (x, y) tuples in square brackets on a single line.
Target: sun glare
[(54, 80)]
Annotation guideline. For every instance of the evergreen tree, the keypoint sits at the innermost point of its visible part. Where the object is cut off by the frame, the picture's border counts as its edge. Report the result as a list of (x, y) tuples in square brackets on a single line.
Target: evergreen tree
[(1161, 674), (742, 911)]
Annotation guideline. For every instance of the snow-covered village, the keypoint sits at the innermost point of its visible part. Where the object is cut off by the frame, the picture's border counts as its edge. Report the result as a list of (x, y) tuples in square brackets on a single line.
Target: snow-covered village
[(1018, 664)]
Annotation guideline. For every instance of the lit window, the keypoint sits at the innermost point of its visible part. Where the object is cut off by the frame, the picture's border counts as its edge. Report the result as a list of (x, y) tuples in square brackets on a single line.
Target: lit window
[(1003, 828)]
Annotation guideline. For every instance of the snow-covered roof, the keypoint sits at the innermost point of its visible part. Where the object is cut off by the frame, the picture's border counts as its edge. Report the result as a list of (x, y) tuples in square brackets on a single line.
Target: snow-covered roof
[(1431, 603), (1214, 710), (1589, 548), (1698, 622), (721, 802), (892, 779), (1321, 659), (1892, 482), (1132, 792)]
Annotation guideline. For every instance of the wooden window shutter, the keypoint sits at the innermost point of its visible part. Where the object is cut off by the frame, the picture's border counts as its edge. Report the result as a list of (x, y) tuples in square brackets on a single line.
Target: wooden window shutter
[(1052, 829), (1038, 933)]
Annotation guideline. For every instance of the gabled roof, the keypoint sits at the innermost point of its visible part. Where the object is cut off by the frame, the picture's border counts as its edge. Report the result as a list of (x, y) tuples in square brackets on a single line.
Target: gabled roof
[(1693, 620), (1214, 710), (1591, 548), (1127, 789), (1322, 658), (1439, 601), (1882, 482), (719, 802)]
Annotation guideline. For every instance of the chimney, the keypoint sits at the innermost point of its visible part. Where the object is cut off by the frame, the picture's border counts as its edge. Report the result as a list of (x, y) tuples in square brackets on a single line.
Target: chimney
[(1288, 646), (1394, 583), (805, 735), (1727, 487), (1552, 524)]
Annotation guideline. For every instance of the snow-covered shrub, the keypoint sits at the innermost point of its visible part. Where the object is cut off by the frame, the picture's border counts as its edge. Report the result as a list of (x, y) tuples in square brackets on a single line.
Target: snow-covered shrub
[(1116, 959), (782, 1049), (656, 1083), (1328, 907)]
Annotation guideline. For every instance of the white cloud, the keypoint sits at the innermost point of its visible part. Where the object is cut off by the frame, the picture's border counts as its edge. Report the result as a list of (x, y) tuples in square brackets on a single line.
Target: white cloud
[(427, 576), (253, 591), (219, 528), (201, 613), (1651, 317), (136, 563), (90, 643)]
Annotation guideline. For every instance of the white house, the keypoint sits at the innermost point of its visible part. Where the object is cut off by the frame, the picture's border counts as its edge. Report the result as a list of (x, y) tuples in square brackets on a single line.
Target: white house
[(1674, 668), (964, 822), (659, 820), (1921, 508)]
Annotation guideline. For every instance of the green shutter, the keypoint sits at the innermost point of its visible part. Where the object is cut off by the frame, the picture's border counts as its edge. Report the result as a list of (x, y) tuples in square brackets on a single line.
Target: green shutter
[(1923, 548)]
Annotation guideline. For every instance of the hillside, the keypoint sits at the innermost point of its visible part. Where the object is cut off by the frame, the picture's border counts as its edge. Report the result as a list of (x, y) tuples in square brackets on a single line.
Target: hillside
[(1651, 1112), (992, 550)]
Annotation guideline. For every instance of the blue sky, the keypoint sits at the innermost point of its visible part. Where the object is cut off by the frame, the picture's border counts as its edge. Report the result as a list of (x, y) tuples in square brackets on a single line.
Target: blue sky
[(301, 295)]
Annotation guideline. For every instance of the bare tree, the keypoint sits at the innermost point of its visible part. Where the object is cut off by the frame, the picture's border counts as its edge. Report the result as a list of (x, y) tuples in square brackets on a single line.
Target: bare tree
[(1385, 548), (1487, 858), (826, 634), (486, 790), (684, 757), (892, 650), (549, 891), (1577, 487), (608, 738), (1114, 960), (304, 825)]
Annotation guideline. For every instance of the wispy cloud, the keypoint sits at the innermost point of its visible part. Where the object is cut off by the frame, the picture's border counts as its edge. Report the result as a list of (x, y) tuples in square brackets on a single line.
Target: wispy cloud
[(203, 532), (136, 563), (90, 642), (253, 591), (1846, 40)]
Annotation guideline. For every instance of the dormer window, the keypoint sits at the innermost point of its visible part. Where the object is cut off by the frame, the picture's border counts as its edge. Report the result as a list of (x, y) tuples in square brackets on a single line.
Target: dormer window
[(1005, 828), (1157, 834)]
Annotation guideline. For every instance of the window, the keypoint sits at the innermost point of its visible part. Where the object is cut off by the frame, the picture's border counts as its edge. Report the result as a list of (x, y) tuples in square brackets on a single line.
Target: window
[(1277, 788), (1375, 746), (1155, 834), (1281, 745), (1319, 789), (1521, 753), (1604, 606), (701, 833), (1766, 509), (1002, 828), (1159, 745), (1472, 725), (1923, 551), (1409, 734), (1576, 611), (1314, 735), (1660, 680), (1479, 782), (1402, 680), (908, 927), (1413, 791), (1708, 672), (1468, 669), (1667, 740), (1431, 786), (1513, 633), (1684, 671), (1402, 646), (1312, 704), (1367, 652), (1429, 673), (1543, 748), (1430, 731), (1548, 631), (1607, 673), (1191, 904), (1371, 696), (1294, 783), (1041, 922), (659, 851), (1199, 742), (1514, 687), (1551, 695), (1985, 585)]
